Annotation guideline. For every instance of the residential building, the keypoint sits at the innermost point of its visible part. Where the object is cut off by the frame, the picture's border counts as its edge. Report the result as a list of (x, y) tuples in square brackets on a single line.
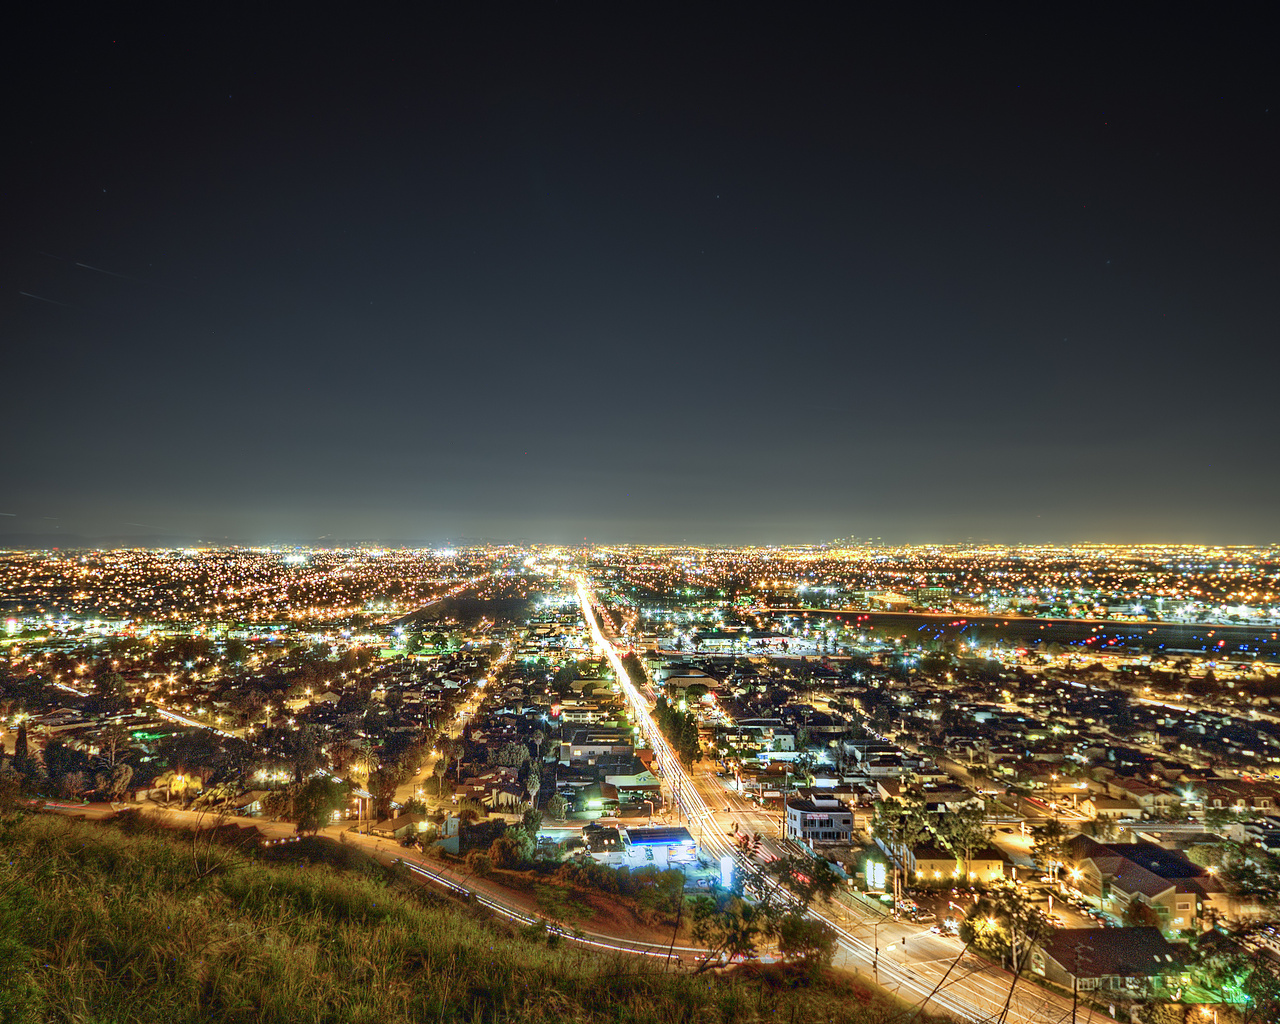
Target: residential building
[(1130, 960)]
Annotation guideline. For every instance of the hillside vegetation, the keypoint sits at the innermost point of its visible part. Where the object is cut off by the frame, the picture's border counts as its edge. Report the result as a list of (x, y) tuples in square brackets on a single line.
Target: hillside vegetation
[(103, 922)]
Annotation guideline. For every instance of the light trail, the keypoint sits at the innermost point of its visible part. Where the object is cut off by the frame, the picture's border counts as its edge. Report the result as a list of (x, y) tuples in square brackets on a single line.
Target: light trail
[(690, 801), (659, 952), (173, 716)]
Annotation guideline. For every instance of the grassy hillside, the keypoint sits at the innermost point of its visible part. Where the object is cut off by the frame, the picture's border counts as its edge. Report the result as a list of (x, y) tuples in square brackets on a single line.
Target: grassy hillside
[(101, 923)]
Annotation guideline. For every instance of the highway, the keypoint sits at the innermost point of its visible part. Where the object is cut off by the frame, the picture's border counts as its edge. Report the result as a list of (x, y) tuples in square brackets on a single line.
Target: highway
[(909, 962)]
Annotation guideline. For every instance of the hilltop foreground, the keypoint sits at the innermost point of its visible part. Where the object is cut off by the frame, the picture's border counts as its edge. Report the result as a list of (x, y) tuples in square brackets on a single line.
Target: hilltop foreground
[(117, 922)]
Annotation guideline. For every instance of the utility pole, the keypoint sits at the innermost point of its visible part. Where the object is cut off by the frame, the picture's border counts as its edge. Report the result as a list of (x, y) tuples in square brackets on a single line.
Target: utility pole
[(875, 941)]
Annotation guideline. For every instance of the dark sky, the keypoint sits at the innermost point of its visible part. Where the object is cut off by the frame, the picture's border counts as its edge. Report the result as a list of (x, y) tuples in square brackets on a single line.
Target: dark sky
[(545, 272)]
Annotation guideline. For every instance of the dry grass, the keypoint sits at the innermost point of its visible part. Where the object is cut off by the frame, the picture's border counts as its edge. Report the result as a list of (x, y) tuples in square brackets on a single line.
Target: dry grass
[(100, 925)]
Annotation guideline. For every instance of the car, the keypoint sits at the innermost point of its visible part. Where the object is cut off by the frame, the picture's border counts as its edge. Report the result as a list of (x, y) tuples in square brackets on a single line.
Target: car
[(1008, 831)]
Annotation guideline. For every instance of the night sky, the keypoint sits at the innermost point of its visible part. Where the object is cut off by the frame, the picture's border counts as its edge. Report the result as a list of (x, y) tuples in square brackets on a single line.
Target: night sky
[(549, 272)]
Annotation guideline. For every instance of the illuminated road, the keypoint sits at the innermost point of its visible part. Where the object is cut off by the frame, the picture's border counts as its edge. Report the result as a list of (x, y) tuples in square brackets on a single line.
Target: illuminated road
[(975, 992)]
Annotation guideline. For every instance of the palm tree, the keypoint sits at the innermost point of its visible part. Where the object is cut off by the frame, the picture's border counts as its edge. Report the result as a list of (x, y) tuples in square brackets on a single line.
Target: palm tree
[(366, 763), (533, 783)]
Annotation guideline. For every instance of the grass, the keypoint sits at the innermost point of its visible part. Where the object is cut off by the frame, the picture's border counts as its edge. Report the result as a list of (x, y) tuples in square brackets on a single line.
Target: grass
[(101, 923)]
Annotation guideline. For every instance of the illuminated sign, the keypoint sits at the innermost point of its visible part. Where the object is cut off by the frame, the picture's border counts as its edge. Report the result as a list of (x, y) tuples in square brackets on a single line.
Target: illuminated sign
[(726, 872)]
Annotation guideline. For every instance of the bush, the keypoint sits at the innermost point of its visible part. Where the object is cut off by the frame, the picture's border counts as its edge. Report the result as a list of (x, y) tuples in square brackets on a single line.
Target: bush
[(479, 863)]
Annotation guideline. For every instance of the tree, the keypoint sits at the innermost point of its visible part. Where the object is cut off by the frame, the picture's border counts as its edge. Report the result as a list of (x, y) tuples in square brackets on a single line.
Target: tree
[(1249, 873), (479, 863), (506, 851), (112, 741), (117, 781), (558, 807), (807, 941), (730, 925), (729, 929), (315, 804), (365, 763), (1003, 923), (111, 686), (61, 761), (1049, 846), (689, 748), (302, 748), (1248, 981), (511, 755), (236, 652), (1140, 915), (171, 780), (532, 784), (900, 825), (382, 785), (20, 755), (72, 784), (963, 831)]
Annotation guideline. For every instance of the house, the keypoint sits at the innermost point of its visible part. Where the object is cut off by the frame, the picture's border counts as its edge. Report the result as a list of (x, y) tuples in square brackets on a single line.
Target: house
[(1132, 960), (401, 827), (818, 819), (498, 788), (928, 863), (1110, 808), (1151, 799), (1240, 796)]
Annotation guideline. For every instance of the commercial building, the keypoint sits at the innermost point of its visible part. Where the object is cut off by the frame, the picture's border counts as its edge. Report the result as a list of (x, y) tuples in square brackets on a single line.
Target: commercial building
[(819, 820), (659, 847), (586, 745)]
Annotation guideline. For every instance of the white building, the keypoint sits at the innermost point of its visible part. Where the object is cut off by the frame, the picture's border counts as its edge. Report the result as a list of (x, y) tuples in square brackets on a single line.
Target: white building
[(819, 820), (659, 847)]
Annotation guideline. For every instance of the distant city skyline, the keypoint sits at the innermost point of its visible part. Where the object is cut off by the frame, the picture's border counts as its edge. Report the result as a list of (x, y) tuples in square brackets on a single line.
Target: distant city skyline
[(611, 275)]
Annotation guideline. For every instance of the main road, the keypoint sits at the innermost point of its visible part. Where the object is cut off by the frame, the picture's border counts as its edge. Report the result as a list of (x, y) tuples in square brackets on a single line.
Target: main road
[(916, 965)]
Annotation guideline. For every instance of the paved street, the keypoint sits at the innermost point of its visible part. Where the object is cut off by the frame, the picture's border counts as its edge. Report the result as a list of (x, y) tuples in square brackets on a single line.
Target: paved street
[(908, 961)]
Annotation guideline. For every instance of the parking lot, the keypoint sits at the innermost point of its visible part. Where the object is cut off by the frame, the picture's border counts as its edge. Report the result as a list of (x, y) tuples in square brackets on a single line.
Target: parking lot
[(946, 908)]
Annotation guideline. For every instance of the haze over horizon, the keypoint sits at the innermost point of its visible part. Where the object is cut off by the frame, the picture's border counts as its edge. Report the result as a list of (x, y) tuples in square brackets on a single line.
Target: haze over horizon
[(622, 276)]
